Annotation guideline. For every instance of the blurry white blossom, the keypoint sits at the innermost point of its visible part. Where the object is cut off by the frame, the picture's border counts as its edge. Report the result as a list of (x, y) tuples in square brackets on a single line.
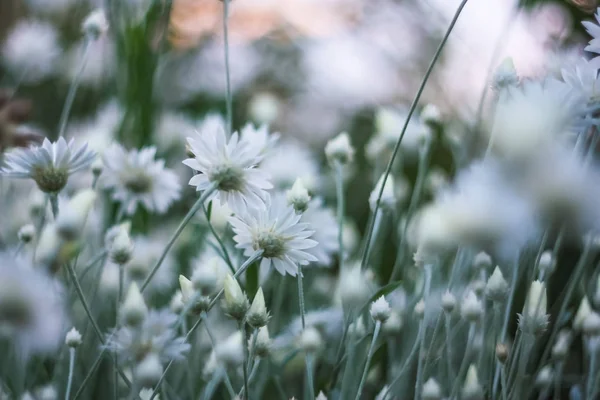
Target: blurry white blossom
[(291, 160), (323, 221), (136, 178), (100, 62), (32, 50)]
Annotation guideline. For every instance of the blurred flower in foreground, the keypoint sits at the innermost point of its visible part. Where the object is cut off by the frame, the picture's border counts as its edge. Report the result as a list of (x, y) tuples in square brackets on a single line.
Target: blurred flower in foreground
[(31, 309), (137, 178), (274, 228), (49, 165), (32, 51)]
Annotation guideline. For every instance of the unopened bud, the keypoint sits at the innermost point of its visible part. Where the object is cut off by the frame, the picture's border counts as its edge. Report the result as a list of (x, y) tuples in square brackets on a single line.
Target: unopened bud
[(262, 344), (496, 287), (482, 261), (73, 338), (95, 24), (388, 196), (148, 371), (431, 390), (448, 302), (546, 263), (419, 309), (471, 307), (582, 312), (257, 314), (97, 166), (431, 114), (133, 310), (26, 233), (236, 303), (561, 347), (591, 324), (298, 196), (339, 150), (472, 389), (501, 352), (310, 340), (544, 377), (380, 310), (122, 248)]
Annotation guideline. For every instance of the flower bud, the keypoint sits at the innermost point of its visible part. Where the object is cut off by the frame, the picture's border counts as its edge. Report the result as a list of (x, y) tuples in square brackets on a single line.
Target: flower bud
[(97, 166), (561, 347), (388, 196), (339, 149), (205, 277), (431, 390), (380, 310), (95, 24), (591, 324), (236, 303), (496, 287), (534, 319), (431, 114), (263, 343), (26, 233), (187, 289), (122, 248), (353, 287), (448, 302), (257, 315), (482, 261), (264, 108), (582, 312), (73, 338), (48, 247), (505, 75), (471, 307), (321, 396), (298, 196), (501, 352), (419, 309), (472, 389), (148, 371), (71, 220), (310, 340), (133, 310), (546, 263), (544, 377), (393, 325)]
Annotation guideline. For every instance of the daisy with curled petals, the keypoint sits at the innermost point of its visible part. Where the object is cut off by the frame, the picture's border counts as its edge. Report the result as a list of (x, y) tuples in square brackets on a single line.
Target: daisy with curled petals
[(137, 178), (49, 165), (228, 168), (274, 228)]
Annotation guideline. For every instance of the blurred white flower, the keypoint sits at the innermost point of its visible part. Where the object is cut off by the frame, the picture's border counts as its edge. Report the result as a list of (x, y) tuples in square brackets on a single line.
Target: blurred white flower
[(291, 160), (505, 75), (231, 165), (323, 221), (32, 51), (258, 139), (354, 287), (156, 335), (100, 64), (298, 196), (274, 228), (172, 128), (339, 149), (31, 307), (388, 195), (582, 76), (594, 31), (52, 7), (264, 108), (135, 178), (531, 116), (95, 24), (380, 309), (49, 165)]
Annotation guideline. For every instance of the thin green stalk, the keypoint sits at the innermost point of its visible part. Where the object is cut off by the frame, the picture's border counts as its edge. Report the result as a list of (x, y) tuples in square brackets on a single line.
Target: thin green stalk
[(242, 326), (448, 349), (504, 382), (64, 117), (369, 358), (54, 205), (252, 350), (377, 217), (426, 289), (88, 312), (571, 284), (309, 375), (93, 262), (89, 375), (213, 343), (302, 314), (199, 203), (527, 343), (465, 361), (411, 111), (71, 368), (251, 376), (557, 380), (226, 256), (228, 98), (255, 256), (413, 351), (339, 185), (592, 373)]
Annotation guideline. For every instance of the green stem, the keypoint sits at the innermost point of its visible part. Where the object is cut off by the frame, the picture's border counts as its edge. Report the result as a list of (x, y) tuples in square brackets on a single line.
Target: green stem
[(226, 256), (591, 376), (369, 357), (302, 314), (465, 361), (557, 380), (229, 99), (504, 382), (411, 111), (71, 368), (448, 349), (54, 205), (419, 380), (242, 326), (199, 203), (64, 117), (339, 185), (252, 350)]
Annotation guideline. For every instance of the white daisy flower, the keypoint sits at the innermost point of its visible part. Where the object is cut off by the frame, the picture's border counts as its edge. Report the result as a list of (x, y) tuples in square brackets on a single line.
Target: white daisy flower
[(31, 308), (324, 222), (49, 165), (289, 161), (594, 31), (32, 51), (259, 139), (231, 165), (274, 228), (156, 335), (137, 178)]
